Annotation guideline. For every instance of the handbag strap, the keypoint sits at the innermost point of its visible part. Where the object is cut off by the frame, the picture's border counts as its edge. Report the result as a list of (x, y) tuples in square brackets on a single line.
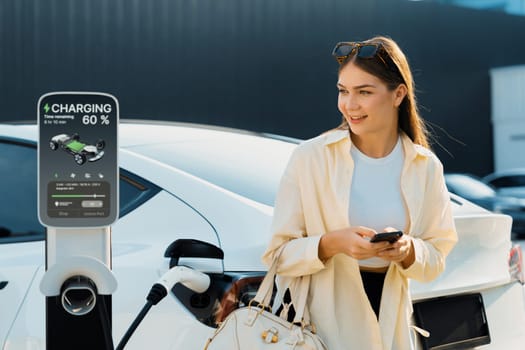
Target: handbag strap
[(264, 293), (302, 314)]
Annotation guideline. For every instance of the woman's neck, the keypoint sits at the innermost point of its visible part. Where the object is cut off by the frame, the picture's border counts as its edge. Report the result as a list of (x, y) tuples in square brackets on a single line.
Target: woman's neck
[(376, 145)]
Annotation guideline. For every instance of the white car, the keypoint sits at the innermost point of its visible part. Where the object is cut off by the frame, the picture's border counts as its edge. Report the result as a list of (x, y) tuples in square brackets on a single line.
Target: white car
[(217, 185)]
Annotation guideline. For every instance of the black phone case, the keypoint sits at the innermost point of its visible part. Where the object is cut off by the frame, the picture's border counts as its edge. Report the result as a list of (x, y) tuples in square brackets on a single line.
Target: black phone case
[(387, 236)]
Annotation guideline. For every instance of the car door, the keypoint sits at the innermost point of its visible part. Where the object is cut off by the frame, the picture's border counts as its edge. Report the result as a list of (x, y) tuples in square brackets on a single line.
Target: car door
[(21, 234)]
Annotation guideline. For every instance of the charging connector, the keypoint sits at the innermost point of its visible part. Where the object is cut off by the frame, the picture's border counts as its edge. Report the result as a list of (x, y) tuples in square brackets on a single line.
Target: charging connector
[(192, 279)]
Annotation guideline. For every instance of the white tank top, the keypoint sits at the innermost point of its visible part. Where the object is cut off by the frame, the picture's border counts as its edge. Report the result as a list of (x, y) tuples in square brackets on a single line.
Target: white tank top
[(375, 194)]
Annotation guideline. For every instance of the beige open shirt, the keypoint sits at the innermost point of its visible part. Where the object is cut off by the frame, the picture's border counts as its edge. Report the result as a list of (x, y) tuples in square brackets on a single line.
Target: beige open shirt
[(313, 199)]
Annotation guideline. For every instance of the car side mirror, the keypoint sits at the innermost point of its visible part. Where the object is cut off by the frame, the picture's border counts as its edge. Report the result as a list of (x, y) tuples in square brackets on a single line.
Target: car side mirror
[(192, 248)]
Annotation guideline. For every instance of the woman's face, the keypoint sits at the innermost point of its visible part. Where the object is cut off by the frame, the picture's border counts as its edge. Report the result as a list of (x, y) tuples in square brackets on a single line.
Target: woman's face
[(367, 104)]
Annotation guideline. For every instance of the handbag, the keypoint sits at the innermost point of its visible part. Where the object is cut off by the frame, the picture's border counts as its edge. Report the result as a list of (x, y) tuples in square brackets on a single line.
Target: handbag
[(255, 327)]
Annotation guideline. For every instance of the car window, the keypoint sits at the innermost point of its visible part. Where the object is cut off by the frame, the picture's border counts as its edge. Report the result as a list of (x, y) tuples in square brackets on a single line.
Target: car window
[(134, 191), (18, 208), (509, 181)]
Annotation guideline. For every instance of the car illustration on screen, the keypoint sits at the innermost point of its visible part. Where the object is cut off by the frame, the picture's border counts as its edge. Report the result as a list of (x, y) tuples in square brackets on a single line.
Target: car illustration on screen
[(81, 151)]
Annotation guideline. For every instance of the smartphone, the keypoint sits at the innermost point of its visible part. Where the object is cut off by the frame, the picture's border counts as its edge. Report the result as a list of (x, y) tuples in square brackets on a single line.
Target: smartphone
[(387, 236)]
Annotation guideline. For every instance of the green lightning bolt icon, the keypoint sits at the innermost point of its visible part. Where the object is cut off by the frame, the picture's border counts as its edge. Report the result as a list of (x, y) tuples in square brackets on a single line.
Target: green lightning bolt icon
[(46, 108)]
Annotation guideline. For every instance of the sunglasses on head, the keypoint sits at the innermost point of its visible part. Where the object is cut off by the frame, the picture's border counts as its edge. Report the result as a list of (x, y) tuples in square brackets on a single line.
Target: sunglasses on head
[(343, 50)]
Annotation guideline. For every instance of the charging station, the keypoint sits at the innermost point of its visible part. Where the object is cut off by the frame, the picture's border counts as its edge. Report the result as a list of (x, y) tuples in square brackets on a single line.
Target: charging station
[(78, 181)]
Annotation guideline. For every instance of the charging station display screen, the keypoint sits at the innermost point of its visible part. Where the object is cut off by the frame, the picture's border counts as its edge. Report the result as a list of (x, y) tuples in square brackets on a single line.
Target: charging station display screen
[(77, 159)]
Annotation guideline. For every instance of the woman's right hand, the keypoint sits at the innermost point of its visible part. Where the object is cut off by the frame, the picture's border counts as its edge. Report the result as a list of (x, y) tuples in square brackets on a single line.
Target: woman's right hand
[(352, 241)]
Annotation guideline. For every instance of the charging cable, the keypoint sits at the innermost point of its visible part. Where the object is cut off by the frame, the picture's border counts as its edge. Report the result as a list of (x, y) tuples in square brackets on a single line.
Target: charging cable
[(192, 279)]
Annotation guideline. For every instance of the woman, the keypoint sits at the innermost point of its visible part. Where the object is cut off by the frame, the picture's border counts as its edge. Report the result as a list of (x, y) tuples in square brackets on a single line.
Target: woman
[(374, 173)]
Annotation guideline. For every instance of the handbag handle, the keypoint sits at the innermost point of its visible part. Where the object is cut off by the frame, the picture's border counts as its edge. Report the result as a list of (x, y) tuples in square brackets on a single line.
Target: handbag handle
[(302, 313), (264, 293)]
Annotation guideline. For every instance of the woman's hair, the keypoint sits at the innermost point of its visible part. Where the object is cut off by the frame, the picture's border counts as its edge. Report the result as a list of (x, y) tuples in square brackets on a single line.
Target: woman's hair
[(409, 119)]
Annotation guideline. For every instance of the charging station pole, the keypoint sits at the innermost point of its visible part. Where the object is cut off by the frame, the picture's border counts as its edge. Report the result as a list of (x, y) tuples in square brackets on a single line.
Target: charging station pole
[(78, 201)]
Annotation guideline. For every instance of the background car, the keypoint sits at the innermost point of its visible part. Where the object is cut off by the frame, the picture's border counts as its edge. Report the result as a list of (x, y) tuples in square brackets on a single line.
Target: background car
[(217, 185), (472, 188), (509, 182)]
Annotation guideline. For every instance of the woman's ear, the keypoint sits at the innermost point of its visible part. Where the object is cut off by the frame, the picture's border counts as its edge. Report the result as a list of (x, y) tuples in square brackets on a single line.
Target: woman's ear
[(399, 94)]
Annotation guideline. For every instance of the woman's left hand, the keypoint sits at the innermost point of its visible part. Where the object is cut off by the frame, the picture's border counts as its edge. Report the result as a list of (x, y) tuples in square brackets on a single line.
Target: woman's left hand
[(401, 251)]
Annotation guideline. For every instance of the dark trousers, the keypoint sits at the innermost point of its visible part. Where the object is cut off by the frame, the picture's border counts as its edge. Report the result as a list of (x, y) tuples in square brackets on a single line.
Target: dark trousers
[(373, 283)]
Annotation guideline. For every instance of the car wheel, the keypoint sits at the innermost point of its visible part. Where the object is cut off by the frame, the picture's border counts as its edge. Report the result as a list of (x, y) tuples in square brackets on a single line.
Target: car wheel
[(53, 145), (80, 159), (100, 144), (75, 137)]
